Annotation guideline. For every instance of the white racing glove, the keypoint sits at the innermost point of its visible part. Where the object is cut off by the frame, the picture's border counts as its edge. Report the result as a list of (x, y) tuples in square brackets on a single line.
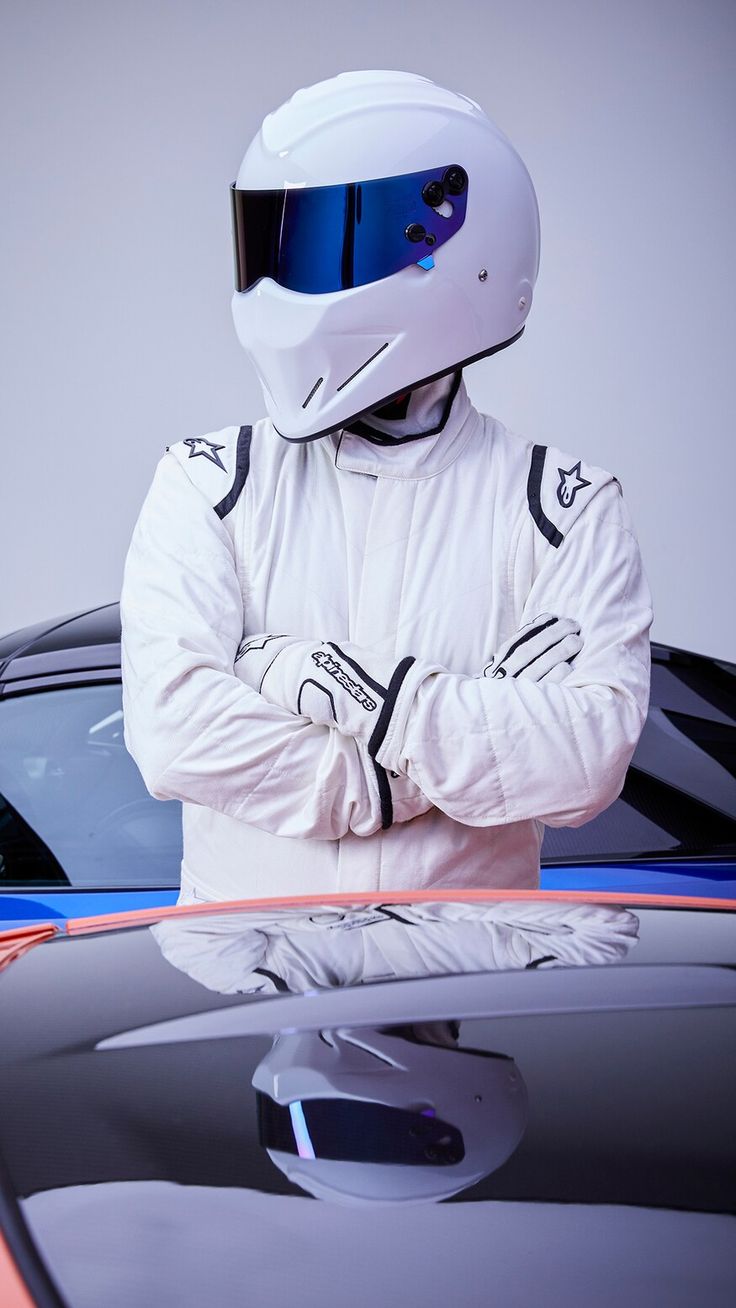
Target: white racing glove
[(541, 649), (364, 694), (360, 693)]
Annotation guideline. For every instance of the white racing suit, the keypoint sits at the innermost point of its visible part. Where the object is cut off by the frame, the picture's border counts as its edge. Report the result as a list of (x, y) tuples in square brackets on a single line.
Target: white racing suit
[(295, 950), (439, 548)]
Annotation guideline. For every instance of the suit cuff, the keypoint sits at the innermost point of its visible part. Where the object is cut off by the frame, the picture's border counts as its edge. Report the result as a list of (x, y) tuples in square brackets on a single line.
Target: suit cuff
[(387, 740)]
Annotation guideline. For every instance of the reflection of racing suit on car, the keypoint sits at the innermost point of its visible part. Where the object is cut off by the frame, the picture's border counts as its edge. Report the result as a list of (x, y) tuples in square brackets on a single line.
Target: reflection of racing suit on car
[(296, 950), (441, 547)]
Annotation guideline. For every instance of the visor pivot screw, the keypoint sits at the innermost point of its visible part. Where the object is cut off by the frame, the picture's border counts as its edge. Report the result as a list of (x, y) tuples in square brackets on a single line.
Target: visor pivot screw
[(522, 302), (415, 232), (455, 179), (483, 275), (433, 193)]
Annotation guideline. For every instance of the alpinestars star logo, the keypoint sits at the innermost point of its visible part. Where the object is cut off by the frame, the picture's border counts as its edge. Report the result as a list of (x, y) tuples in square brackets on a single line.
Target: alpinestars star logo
[(570, 483), (334, 669), (208, 450)]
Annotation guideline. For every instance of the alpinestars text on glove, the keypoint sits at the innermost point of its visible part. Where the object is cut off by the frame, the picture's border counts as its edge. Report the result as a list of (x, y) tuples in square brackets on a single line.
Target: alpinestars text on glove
[(362, 694)]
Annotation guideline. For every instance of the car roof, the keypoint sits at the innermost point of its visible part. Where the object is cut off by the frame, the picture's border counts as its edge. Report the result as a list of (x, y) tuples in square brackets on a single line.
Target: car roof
[(158, 1083), (62, 649), (97, 626)]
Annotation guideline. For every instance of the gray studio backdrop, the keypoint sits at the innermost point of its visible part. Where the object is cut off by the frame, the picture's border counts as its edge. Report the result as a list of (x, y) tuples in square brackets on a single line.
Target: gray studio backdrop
[(123, 125)]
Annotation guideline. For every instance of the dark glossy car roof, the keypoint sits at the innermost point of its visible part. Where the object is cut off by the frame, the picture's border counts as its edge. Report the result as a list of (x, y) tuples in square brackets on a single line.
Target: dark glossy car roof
[(61, 649), (98, 626), (131, 1132)]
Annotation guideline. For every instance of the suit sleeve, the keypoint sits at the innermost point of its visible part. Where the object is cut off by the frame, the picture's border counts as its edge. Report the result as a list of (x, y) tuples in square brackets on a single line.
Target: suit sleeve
[(195, 730), (489, 751)]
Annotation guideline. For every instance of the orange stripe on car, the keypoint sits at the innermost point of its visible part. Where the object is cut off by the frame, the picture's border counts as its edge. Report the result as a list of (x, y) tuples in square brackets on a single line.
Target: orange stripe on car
[(143, 916), (18, 941), (13, 1292)]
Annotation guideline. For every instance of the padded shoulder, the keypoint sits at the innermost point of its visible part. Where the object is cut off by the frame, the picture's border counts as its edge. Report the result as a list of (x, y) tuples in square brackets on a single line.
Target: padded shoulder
[(559, 487), (218, 464)]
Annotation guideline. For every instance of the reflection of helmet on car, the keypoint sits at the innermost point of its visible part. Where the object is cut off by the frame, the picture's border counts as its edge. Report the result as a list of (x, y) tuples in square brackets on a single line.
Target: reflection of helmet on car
[(381, 1116), (386, 232)]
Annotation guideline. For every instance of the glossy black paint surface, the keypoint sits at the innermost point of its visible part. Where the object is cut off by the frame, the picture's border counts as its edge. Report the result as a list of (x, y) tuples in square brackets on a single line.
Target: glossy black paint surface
[(78, 648), (627, 1166), (100, 626)]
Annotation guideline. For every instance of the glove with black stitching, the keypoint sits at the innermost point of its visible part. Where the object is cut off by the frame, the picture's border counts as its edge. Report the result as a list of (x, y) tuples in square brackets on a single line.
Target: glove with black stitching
[(542, 649), (362, 694)]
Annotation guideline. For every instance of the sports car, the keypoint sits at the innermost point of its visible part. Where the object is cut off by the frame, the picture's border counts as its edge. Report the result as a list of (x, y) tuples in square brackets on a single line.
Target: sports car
[(432, 1099), (80, 834)]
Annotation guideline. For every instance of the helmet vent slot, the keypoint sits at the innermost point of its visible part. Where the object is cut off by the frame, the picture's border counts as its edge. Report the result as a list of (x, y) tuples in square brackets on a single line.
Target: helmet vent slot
[(313, 391), (375, 355)]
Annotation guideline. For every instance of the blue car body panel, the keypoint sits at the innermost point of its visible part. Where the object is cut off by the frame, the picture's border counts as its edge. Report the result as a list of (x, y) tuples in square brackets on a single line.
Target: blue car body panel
[(715, 880), (59, 906)]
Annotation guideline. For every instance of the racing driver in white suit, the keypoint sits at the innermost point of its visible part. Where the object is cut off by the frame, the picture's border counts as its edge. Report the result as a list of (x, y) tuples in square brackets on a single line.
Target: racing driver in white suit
[(377, 641)]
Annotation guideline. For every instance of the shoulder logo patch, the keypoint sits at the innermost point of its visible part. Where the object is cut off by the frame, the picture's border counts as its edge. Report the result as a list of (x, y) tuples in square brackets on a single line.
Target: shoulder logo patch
[(570, 483), (198, 445)]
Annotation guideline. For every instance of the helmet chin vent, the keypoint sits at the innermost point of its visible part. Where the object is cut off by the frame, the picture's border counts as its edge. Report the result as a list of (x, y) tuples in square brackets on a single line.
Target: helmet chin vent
[(353, 375), (313, 391)]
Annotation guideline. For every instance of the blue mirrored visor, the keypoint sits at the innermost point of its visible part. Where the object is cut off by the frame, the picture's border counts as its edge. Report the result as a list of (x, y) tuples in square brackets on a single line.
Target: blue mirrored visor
[(354, 1130), (327, 238)]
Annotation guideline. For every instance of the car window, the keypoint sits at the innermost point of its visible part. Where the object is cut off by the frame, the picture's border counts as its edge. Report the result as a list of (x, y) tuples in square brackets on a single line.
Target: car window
[(679, 796), (651, 817), (680, 791), (73, 807)]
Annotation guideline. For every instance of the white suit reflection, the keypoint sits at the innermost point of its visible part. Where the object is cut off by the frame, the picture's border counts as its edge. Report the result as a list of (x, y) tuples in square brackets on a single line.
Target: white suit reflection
[(297, 950)]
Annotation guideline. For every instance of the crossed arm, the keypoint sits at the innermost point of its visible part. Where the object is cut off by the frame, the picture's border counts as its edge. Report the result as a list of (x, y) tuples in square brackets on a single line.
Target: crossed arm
[(486, 749), (196, 731)]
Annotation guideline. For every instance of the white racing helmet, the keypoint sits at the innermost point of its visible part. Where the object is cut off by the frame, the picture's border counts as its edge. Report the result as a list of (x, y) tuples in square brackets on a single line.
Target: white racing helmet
[(386, 233), (371, 1116)]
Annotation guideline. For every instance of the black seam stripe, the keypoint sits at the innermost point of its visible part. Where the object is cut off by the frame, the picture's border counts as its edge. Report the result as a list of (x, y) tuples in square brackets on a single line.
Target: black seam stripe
[(523, 639), (384, 794), (534, 497), (394, 916), (268, 669), (242, 466), (374, 685), (389, 704), (540, 655), (311, 682), (278, 981), (248, 645)]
